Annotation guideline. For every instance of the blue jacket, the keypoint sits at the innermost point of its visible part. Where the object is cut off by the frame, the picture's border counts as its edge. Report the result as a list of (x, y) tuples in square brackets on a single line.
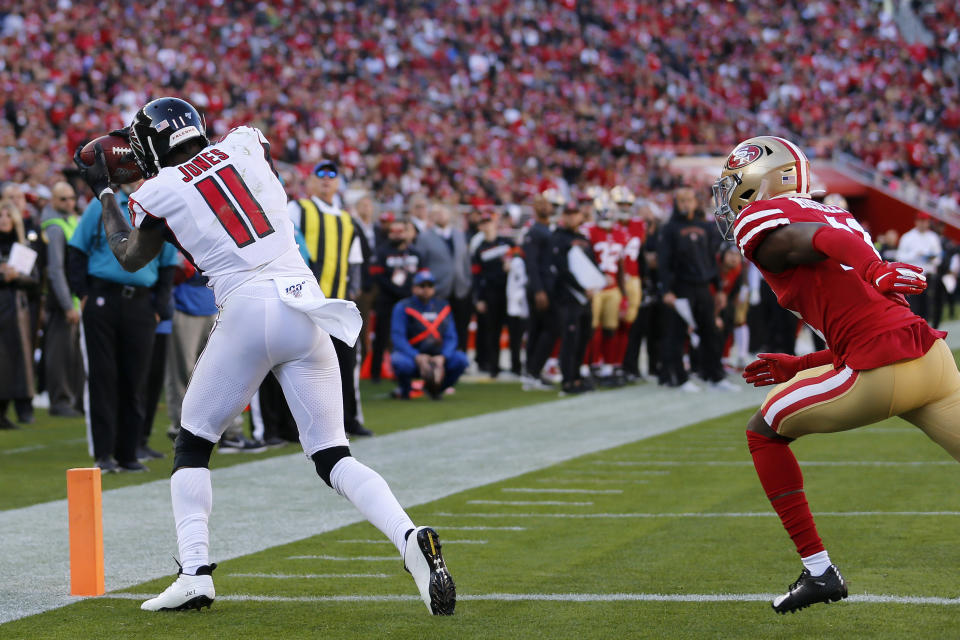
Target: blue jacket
[(415, 328), (90, 238)]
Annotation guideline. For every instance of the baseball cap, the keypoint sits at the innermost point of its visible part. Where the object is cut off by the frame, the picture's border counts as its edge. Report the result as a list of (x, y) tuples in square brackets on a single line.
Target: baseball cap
[(423, 276), (325, 165), (923, 215)]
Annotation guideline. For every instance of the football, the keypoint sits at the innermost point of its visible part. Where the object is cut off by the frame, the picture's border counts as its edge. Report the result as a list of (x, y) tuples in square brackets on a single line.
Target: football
[(120, 161)]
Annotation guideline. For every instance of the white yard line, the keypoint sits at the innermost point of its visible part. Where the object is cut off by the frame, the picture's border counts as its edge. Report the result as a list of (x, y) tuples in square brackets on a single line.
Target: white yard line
[(286, 501), (554, 490), (748, 463), (864, 598), (691, 514), (532, 503), (385, 541), (308, 576), (347, 558)]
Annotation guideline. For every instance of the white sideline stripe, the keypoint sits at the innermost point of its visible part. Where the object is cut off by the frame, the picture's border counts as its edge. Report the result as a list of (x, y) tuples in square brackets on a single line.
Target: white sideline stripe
[(312, 576), (695, 514), (748, 463), (553, 490), (449, 528), (865, 598), (390, 543), (37, 447), (349, 558), (532, 503)]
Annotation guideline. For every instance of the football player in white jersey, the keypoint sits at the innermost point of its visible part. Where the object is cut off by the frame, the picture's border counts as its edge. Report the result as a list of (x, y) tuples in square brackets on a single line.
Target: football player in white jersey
[(224, 206)]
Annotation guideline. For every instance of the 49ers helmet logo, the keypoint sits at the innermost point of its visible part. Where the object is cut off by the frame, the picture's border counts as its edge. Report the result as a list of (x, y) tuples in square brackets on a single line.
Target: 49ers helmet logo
[(743, 156)]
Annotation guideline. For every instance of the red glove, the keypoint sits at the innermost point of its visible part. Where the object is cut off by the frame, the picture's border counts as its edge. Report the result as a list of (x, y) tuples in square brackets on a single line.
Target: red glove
[(889, 277), (774, 368), (885, 277)]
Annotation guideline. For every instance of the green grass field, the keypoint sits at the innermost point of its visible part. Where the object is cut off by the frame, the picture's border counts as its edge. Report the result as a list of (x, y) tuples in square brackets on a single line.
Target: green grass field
[(680, 514), (34, 458)]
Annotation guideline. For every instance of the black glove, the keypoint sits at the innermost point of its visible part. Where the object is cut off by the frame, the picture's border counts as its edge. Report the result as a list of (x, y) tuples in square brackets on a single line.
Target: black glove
[(96, 175), (123, 133)]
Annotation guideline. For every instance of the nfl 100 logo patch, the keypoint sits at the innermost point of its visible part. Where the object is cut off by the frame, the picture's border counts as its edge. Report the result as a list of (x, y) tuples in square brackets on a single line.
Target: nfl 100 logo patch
[(295, 290)]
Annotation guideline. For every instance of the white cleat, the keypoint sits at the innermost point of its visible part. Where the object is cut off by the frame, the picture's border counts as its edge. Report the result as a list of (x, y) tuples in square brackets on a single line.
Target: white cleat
[(187, 592), (422, 558)]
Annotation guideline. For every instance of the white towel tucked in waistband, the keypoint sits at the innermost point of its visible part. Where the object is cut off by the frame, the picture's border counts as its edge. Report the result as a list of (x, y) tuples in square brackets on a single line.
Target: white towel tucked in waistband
[(340, 318)]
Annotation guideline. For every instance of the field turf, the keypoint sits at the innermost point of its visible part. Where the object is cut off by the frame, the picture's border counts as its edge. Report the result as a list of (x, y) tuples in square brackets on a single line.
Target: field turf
[(33, 459), (582, 549)]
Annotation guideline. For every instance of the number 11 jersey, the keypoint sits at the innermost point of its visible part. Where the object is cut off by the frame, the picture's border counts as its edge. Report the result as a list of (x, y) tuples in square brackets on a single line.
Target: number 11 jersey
[(863, 328), (226, 210)]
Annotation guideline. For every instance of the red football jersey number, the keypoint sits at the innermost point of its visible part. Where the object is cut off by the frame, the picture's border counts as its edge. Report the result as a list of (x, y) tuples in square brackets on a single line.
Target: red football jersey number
[(227, 213)]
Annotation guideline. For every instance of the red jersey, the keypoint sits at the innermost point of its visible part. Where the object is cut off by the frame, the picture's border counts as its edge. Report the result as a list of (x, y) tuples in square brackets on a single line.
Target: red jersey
[(608, 246), (863, 328), (635, 230)]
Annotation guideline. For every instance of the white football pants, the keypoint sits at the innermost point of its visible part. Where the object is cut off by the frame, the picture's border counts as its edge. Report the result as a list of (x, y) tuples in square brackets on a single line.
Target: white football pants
[(256, 332)]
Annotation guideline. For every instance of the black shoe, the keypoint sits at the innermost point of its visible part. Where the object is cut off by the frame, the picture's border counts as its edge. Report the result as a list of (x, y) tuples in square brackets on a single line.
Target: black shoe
[(107, 465), (275, 442), (132, 467), (398, 394), (145, 453), (65, 412), (26, 417), (359, 430), (808, 590), (241, 445)]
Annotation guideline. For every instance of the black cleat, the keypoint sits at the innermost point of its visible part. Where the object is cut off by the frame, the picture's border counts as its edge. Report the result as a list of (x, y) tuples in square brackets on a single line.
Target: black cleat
[(808, 590), (422, 558)]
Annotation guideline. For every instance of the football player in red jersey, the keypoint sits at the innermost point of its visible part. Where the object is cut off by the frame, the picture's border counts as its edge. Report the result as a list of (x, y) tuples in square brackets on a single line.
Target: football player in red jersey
[(634, 230), (608, 241), (882, 360)]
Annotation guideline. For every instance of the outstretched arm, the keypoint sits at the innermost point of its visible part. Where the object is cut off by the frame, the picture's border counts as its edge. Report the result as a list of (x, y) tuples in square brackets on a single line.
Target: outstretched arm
[(133, 248), (806, 242)]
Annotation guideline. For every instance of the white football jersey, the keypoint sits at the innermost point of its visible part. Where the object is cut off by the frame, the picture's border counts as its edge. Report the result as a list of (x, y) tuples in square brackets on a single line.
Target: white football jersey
[(226, 210)]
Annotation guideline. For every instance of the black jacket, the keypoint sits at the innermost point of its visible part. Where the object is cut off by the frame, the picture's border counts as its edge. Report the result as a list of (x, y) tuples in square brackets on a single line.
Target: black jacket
[(536, 251), (566, 289), (687, 253)]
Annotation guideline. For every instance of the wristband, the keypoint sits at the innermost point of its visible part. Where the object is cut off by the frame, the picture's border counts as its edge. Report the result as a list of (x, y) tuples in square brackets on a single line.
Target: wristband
[(106, 191)]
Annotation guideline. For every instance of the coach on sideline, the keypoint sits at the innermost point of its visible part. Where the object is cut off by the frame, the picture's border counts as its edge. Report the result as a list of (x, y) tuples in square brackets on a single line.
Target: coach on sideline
[(119, 318)]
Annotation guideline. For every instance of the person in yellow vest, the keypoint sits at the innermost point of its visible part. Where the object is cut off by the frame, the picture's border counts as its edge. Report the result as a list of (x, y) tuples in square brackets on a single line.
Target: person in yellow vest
[(63, 364), (337, 251)]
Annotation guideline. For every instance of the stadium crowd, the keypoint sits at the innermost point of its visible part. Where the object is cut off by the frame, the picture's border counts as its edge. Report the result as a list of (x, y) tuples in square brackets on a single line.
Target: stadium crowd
[(474, 142)]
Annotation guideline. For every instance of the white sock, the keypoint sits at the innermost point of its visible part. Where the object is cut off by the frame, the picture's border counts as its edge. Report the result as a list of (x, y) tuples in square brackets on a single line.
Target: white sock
[(370, 494), (817, 563), (192, 496), (741, 337)]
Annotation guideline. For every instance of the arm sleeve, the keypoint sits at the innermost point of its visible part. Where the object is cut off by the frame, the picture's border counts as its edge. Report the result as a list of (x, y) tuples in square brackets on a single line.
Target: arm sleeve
[(816, 359), (846, 248), (56, 260), (77, 271), (398, 331)]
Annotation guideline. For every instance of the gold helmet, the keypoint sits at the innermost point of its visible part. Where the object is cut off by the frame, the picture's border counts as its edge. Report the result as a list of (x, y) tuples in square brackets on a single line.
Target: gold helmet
[(758, 169), (622, 195), (554, 197), (624, 200)]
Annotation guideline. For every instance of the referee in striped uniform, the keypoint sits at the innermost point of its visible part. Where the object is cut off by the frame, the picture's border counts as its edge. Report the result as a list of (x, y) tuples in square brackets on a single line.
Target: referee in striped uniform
[(337, 251)]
